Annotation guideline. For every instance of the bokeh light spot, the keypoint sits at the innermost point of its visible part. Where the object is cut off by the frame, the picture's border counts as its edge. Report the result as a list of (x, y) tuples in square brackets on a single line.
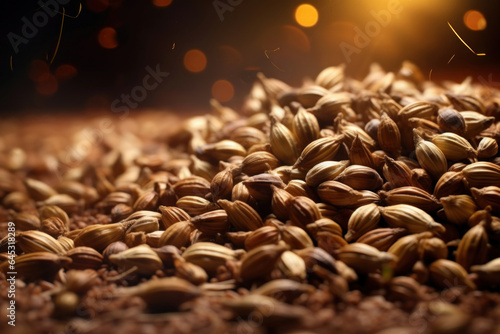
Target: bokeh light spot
[(195, 61), (97, 6), (64, 72), (306, 15), (162, 3), (296, 38), (38, 70), (48, 86), (474, 20), (222, 90), (107, 38), (230, 57)]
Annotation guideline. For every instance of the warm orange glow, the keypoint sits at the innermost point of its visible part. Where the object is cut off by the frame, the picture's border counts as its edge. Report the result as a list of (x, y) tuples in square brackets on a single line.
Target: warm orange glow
[(222, 90), (474, 20), (306, 15), (97, 6), (195, 61), (64, 72), (48, 86), (162, 3), (467, 45), (107, 38), (38, 70)]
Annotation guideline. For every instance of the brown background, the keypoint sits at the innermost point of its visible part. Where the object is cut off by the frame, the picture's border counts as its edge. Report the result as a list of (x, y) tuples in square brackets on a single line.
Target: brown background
[(146, 35)]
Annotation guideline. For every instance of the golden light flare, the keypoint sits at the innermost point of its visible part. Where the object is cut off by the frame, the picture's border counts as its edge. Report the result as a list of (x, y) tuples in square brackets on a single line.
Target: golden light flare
[(162, 3), (474, 20), (60, 32), (460, 38), (306, 15), (222, 90), (195, 61), (107, 38), (267, 53)]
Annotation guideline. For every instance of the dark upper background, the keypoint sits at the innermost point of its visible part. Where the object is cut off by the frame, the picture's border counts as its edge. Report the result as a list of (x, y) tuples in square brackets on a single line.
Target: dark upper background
[(85, 76)]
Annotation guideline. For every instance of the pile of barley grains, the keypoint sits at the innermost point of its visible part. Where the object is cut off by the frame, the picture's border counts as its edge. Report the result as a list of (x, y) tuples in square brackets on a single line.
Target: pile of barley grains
[(350, 206)]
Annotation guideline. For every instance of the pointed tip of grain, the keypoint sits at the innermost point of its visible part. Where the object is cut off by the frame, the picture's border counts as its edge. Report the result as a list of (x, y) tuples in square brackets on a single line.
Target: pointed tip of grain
[(214, 103), (261, 78), (356, 141), (224, 203), (348, 236), (475, 191), (382, 194), (438, 229), (416, 136), (388, 159), (388, 257)]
